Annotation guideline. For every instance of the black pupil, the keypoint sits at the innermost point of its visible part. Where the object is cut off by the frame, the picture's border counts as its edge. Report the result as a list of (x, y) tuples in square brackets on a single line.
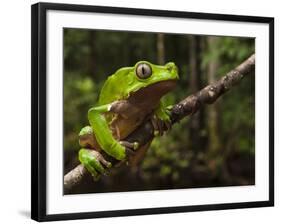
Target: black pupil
[(143, 69)]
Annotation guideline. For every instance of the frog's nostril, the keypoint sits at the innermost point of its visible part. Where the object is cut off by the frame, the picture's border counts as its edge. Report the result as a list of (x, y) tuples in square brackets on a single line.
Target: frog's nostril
[(171, 66)]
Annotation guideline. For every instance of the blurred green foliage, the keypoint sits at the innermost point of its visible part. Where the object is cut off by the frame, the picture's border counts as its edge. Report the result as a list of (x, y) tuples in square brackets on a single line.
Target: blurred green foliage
[(183, 157)]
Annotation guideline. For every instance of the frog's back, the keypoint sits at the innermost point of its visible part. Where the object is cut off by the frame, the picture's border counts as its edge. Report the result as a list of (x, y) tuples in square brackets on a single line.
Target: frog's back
[(114, 87)]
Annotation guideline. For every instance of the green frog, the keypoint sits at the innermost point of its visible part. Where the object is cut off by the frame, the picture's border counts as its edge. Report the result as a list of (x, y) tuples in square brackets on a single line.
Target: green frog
[(128, 97)]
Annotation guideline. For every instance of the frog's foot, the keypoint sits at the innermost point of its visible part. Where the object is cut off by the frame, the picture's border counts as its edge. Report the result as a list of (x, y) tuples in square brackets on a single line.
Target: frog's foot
[(94, 162), (160, 125), (130, 147)]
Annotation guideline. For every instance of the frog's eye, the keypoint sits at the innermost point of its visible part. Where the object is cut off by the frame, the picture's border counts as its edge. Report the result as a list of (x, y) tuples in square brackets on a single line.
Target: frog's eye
[(143, 71)]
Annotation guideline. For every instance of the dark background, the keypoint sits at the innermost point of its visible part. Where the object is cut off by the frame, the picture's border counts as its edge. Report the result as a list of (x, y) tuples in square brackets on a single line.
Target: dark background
[(214, 147)]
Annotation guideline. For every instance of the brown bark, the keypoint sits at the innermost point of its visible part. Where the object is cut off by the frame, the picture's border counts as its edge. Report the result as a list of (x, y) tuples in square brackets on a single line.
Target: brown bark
[(187, 106), (73, 177)]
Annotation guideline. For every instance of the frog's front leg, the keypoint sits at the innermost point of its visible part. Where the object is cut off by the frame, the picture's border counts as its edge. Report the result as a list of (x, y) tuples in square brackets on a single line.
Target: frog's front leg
[(103, 134), (161, 120), (94, 162)]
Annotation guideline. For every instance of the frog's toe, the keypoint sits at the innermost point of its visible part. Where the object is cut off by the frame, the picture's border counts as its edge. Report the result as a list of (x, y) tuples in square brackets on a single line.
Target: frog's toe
[(96, 165), (168, 125), (92, 170), (160, 126), (156, 126), (130, 147), (94, 162), (104, 162)]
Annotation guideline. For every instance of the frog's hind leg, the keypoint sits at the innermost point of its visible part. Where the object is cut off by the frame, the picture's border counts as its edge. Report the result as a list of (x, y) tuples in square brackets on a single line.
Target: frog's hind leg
[(89, 155)]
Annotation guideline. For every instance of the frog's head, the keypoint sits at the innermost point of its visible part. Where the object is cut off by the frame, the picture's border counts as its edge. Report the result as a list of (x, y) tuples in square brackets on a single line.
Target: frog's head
[(152, 79), (144, 81)]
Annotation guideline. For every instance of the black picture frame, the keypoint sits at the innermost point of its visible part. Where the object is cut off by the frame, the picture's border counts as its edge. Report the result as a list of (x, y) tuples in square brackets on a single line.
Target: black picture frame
[(39, 122)]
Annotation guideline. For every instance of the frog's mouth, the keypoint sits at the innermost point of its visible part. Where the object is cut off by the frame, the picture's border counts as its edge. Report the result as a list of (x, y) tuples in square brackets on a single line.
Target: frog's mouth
[(153, 92)]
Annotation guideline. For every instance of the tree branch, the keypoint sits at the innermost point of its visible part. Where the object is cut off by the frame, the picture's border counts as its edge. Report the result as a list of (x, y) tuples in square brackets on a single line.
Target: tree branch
[(188, 106)]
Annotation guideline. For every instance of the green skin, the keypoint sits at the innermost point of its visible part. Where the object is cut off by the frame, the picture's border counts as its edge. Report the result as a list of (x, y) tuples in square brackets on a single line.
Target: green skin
[(118, 88)]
